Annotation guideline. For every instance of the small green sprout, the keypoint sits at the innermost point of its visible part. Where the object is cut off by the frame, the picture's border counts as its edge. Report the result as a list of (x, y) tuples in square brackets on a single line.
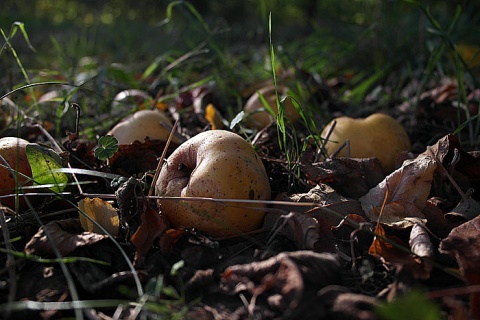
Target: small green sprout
[(107, 146)]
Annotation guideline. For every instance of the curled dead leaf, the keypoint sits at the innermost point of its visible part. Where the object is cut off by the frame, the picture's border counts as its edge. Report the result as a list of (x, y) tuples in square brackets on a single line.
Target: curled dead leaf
[(152, 225), (466, 210), (283, 278), (394, 251), (326, 197), (421, 246), (382, 246), (65, 235), (436, 221), (463, 168), (343, 304), (407, 188), (307, 232), (101, 212), (350, 177), (463, 243)]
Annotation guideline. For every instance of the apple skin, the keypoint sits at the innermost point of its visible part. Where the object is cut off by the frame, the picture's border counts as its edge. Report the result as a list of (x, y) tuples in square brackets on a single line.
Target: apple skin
[(13, 150), (260, 119), (379, 135), (214, 164), (142, 124)]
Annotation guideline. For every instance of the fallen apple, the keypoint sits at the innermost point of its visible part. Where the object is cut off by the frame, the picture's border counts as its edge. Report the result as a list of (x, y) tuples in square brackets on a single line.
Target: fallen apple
[(214, 164), (257, 117), (143, 123), (12, 150), (378, 135)]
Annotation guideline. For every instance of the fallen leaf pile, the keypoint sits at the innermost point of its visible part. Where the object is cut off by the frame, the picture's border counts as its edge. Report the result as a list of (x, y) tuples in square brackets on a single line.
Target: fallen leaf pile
[(342, 241)]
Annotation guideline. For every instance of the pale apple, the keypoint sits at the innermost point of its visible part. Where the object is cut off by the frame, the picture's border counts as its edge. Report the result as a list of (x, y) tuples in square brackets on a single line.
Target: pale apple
[(13, 151), (144, 123), (256, 115), (214, 164), (379, 135)]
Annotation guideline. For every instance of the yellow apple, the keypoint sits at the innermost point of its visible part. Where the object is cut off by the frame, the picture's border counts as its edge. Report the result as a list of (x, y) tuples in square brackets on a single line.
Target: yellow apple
[(144, 123), (257, 117), (378, 135), (12, 149), (214, 164)]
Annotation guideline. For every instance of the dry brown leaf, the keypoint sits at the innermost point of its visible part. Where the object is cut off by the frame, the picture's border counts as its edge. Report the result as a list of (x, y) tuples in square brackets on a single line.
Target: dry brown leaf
[(343, 304), (213, 116), (466, 210), (351, 178), (326, 197), (139, 156), (169, 239), (388, 249), (382, 247), (436, 221), (464, 244), (283, 278), (421, 245), (126, 196), (444, 92), (100, 211), (307, 232), (152, 225), (67, 235), (408, 188), (464, 167)]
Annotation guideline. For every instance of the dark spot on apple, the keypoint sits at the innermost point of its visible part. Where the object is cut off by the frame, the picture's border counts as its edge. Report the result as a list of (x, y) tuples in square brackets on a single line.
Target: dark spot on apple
[(182, 167), (251, 194)]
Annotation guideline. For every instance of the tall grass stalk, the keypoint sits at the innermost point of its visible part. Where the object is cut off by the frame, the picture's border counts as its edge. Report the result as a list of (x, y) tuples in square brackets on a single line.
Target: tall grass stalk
[(447, 46)]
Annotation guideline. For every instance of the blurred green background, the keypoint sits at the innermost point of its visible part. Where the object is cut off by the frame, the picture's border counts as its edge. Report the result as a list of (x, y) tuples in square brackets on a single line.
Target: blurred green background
[(324, 35)]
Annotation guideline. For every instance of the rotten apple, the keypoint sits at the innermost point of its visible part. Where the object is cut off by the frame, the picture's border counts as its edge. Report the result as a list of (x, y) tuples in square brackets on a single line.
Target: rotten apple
[(214, 164), (379, 135)]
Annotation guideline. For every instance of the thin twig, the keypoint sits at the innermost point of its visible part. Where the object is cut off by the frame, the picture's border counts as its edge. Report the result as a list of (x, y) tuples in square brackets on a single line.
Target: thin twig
[(322, 147), (449, 176), (160, 162)]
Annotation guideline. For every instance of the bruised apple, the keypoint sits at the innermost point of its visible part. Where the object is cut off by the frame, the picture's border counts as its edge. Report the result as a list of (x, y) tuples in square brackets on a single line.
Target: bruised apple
[(214, 164), (141, 124), (13, 151), (378, 135), (259, 118)]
